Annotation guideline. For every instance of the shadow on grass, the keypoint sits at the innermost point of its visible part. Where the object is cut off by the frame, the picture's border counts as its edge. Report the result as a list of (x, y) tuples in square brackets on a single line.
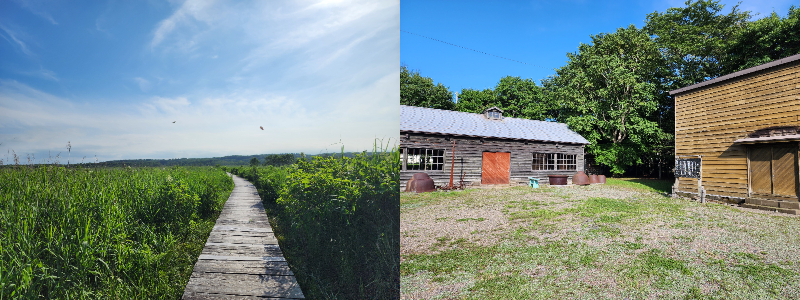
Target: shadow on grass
[(657, 185)]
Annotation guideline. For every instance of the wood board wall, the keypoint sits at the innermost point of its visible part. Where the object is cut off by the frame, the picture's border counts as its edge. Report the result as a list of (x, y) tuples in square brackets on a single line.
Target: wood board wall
[(469, 156), (709, 119)]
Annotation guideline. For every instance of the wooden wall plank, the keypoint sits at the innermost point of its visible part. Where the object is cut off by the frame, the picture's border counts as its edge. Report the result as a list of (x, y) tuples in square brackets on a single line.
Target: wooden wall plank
[(708, 120), (469, 156)]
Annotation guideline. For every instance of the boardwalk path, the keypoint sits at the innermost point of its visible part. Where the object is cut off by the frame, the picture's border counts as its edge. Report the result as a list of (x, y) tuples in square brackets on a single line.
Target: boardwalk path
[(241, 258)]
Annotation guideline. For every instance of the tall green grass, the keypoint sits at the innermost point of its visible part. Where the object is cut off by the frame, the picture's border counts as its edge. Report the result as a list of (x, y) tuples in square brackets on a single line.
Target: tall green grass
[(122, 233), (338, 222)]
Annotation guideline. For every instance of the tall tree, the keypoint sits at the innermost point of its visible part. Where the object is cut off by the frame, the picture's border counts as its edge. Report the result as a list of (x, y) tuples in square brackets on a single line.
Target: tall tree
[(613, 95), (279, 159), (517, 97), (416, 90), (695, 39), (475, 101), (763, 41)]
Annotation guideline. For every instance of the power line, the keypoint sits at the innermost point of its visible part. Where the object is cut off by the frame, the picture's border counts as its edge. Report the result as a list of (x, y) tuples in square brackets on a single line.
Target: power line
[(451, 44)]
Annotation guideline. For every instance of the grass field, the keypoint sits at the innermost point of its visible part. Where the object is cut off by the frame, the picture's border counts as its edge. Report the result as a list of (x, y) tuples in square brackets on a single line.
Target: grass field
[(337, 222), (103, 233), (621, 240)]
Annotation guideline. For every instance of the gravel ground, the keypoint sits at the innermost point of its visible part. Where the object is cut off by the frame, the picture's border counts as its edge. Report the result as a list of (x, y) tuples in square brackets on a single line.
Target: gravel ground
[(622, 225)]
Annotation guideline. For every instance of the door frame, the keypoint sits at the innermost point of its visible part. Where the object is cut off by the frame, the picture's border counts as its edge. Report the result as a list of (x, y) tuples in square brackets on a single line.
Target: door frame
[(483, 161), (795, 151)]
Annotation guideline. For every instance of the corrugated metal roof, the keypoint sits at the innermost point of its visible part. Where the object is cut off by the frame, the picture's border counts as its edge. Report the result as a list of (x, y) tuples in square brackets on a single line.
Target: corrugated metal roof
[(765, 66), (429, 120)]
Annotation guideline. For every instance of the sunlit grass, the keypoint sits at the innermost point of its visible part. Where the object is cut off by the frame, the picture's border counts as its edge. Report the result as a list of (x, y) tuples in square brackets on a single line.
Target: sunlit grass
[(622, 240), (123, 233)]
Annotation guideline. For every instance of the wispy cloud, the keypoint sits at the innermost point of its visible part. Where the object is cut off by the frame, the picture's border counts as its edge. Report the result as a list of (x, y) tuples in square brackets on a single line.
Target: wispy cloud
[(37, 8), (144, 84), (310, 72), (41, 73), (189, 11), (11, 36), (32, 121)]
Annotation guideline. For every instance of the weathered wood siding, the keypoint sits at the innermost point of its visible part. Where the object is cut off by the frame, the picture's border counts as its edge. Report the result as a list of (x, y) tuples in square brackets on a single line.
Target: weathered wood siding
[(469, 156), (709, 119)]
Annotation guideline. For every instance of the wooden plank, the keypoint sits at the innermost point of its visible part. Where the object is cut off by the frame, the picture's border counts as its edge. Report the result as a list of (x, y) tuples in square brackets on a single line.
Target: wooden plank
[(728, 102), (738, 100), (243, 267), (738, 96), (230, 249), (240, 234), (244, 285), (241, 258), (783, 170), (241, 228), (740, 86), (242, 240), (760, 166), (248, 223)]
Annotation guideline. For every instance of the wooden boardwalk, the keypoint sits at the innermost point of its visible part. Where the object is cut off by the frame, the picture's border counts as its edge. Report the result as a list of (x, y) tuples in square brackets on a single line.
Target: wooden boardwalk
[(241, 258)]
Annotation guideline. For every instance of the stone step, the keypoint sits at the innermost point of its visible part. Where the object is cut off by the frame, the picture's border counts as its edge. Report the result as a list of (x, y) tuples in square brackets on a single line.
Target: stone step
[(772, 208), (772, 203)]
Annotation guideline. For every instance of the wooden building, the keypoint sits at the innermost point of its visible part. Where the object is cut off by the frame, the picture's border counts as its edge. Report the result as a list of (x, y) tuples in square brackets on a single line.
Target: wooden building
[(489, 148), (737, 136)]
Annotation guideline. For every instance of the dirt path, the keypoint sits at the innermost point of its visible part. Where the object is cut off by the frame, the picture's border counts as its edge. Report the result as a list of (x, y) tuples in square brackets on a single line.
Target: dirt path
[(242, 259)]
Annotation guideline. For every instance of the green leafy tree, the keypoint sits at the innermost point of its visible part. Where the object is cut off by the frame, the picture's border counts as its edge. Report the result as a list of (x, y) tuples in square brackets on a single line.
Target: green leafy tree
[(416, 90), (475, 101), (279, 159), (254, 161), (695, 39), (613, 95), (763, 41), (517, 97)]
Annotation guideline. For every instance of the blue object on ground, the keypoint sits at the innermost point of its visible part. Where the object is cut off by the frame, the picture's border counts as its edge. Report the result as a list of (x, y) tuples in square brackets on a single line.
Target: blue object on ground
[(533, 182)]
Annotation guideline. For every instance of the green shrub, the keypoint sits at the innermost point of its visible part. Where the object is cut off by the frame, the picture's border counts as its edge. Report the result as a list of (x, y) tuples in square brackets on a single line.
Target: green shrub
[(339, 222)]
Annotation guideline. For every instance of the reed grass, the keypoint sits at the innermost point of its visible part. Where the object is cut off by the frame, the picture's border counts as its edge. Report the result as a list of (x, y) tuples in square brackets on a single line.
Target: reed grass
[(121, 233), (338, 222)]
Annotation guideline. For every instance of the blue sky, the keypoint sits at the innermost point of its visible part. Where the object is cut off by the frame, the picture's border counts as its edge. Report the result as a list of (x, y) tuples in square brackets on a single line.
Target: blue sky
[(539, 33), (110, 77)]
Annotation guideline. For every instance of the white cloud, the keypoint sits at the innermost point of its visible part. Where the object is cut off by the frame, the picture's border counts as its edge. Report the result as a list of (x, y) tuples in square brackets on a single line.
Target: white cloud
[(190, 10), (144, 84), (37, 8), (11, 37), (311, 73), (32, 121)]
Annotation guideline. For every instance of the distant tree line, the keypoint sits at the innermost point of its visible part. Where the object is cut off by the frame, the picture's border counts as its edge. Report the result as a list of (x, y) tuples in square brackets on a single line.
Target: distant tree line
[(231, 160), (614, 90)]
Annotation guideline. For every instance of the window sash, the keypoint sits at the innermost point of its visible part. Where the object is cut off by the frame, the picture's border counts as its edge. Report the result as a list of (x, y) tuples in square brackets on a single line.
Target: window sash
[(423, 159), (554, 161)]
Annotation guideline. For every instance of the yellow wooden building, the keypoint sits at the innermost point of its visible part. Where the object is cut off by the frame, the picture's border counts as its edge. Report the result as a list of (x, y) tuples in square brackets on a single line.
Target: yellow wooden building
[(737, 137)]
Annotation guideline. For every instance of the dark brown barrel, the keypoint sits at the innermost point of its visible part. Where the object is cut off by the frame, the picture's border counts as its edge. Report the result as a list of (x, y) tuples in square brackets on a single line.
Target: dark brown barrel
[(420, 183), (580, 178)]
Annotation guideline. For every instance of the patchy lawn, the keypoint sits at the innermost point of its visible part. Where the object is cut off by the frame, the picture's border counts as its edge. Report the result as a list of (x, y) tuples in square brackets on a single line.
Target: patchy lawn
[(624, 239)]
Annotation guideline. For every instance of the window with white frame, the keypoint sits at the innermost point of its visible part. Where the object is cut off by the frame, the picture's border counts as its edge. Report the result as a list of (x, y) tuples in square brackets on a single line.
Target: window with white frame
[(422, 159), (554, 161)]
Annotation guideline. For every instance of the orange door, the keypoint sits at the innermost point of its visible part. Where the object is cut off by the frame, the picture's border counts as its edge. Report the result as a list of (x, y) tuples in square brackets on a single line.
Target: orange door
[(496, 168)]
